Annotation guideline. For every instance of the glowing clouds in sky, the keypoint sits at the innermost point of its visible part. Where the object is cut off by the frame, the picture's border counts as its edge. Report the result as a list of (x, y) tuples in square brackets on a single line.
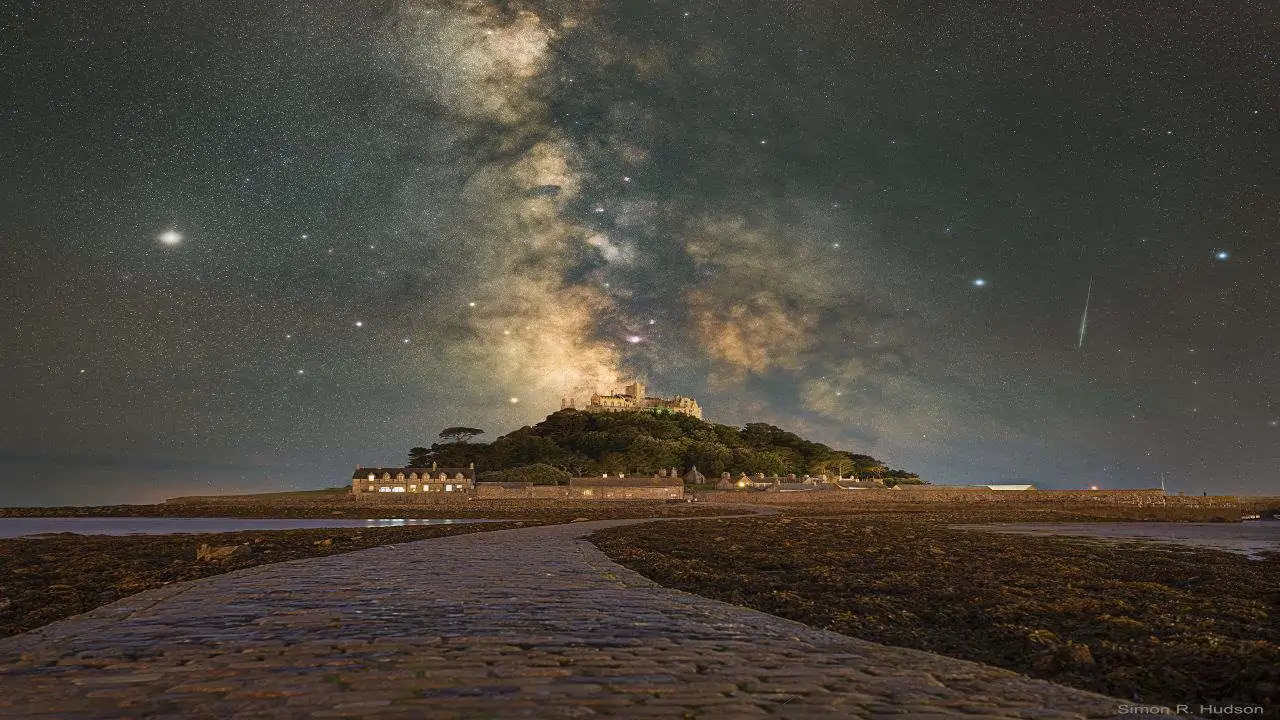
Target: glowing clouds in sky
[(752, 332), (758, 308), (170, 238)]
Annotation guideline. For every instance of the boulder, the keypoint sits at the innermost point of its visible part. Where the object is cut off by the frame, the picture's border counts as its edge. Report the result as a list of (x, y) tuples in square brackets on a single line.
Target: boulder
[(220, 553)]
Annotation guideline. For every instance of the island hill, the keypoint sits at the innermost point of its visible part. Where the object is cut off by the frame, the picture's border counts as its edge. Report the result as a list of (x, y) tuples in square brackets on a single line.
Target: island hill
[(637, 449)]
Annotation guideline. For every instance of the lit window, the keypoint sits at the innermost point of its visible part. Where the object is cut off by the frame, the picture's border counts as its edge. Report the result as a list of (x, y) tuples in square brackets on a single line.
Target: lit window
[(384, 489), (399, 488), (413, 488), (448, 488), (371, 477)]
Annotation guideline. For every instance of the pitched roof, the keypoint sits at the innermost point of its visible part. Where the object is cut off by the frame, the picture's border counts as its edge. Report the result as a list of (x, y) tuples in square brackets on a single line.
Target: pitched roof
[(626, 482), (362, 473)]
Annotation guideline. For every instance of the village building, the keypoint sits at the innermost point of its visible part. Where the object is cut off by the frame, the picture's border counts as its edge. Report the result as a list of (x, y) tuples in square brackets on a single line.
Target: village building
[(792, 483), (633, 398), (412, 480)]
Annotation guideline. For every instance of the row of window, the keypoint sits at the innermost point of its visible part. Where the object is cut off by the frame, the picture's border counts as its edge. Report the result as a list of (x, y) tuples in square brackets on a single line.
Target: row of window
[(414, 488)]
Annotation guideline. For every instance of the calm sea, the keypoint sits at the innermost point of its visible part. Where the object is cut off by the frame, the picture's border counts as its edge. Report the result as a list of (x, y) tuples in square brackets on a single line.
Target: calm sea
[(1255, 538), (24, 527)]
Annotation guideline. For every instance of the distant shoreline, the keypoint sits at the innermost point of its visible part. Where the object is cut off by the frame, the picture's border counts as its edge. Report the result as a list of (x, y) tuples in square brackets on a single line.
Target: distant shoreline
[(332, 504)]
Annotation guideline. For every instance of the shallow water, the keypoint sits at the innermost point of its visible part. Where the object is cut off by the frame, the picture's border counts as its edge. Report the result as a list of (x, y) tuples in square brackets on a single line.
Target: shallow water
[(1254, 539), (25, 527)]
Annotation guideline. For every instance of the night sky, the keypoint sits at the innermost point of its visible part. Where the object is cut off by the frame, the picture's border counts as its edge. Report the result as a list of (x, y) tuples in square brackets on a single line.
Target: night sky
[(250, 245)]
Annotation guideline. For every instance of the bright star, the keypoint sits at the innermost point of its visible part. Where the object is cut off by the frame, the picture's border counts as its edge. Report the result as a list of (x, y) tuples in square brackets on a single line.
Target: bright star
[(513, 400), (471, 304), (302, 372), (405, 341), (979, 282), (170, 237), (633, 339), (359, 323), (1222, 254)]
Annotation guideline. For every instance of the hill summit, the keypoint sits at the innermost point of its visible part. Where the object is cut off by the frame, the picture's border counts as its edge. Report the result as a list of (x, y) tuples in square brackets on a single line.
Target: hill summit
[(584, 444)]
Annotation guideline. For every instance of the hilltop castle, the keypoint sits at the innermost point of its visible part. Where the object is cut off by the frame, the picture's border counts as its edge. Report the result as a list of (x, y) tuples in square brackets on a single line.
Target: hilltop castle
[(633, 398)]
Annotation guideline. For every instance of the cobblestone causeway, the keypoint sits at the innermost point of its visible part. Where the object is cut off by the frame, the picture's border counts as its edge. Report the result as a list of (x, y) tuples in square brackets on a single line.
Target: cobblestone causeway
[(507, 624)]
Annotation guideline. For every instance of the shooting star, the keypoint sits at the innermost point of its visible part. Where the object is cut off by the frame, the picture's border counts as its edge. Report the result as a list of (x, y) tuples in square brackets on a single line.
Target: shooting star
[(1084, 316)]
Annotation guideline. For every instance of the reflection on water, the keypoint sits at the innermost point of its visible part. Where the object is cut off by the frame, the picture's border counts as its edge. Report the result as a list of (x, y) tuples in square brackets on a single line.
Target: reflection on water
[(1254, 539), (24, 527)]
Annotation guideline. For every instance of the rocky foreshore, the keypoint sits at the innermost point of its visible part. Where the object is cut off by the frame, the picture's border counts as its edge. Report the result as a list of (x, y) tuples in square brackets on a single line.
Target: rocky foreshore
[(1155, 623)]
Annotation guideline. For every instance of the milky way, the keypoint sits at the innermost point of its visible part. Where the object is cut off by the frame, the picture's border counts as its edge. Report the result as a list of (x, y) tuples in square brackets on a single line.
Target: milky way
[(250, 247)]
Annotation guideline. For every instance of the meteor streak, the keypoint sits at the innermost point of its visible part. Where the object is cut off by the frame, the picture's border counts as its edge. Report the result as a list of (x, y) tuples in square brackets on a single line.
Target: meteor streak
[(1084, 316)]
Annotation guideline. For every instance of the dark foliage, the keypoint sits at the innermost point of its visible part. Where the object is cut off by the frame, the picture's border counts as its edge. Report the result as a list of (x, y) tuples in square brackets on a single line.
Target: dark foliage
[(582, 443)]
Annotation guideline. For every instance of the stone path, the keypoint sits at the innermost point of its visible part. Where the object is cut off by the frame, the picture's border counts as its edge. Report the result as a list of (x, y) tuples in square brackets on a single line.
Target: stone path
[(508, 624)]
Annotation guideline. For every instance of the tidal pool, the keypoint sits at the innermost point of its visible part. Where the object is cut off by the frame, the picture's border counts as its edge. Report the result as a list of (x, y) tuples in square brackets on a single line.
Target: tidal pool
[(1254, 539)]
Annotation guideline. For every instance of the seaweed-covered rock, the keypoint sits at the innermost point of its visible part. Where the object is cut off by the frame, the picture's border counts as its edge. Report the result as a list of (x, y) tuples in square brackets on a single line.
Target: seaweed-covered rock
[(221, 553)]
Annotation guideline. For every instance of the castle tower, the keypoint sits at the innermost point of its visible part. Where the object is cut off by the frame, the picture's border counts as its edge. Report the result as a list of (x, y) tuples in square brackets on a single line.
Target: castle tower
[(636, 389)]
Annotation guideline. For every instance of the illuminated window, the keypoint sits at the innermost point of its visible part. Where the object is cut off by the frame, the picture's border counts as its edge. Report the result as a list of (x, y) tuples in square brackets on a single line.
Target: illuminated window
[(384, 489), (399, 488), (448, 488), (413, 488), (372, 477)]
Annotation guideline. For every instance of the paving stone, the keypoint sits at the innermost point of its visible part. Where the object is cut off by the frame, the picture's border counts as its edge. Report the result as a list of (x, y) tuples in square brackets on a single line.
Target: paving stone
[(532, 622)]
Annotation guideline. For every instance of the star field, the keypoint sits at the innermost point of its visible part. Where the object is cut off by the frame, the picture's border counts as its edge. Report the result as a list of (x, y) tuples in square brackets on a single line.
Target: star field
[(250, 246)]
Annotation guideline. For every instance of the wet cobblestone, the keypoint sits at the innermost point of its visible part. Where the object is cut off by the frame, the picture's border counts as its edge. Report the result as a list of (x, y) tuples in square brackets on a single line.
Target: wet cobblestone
[(529, 623)]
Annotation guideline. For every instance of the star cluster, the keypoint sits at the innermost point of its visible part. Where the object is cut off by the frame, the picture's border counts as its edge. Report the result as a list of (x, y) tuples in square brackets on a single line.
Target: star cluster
[(248, 248)]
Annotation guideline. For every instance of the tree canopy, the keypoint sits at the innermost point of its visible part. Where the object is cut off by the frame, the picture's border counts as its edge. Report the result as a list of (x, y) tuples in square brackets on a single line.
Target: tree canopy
[(582, 443), (460, 434)]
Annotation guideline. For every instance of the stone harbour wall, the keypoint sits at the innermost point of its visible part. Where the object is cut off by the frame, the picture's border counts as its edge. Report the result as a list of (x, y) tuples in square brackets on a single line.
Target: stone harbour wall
[(495, 491), (1126, 504)]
